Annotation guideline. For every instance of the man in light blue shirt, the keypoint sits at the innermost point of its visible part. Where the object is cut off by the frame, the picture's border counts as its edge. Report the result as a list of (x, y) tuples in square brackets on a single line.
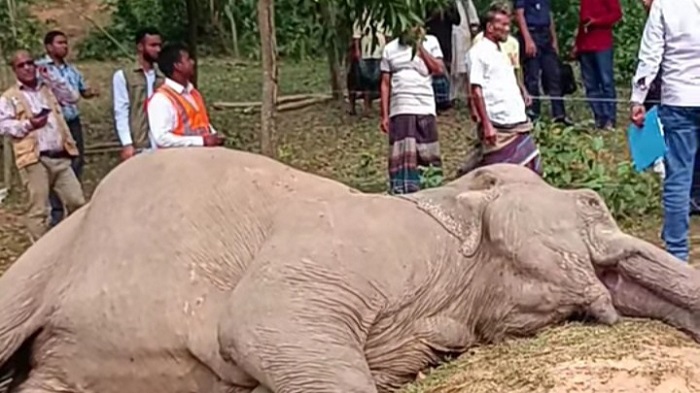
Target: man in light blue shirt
[(56, 46)]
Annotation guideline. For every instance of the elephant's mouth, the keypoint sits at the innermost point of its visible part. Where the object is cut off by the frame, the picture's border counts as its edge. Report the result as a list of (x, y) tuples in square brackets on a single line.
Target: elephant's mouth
[(653, 284)]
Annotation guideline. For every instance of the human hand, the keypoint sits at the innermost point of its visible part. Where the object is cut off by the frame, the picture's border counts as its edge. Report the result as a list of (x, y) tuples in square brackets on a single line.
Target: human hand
[(91, 92), (44, 73), (213, 140), (573, 55), (38, 121), (127, 152), (530, 47), (384, 125), (637, 114), (527, 99), (489, 134)]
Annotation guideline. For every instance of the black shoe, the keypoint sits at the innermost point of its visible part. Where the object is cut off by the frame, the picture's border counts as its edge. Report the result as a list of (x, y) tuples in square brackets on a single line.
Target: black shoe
[(694, 207), (565, 121)]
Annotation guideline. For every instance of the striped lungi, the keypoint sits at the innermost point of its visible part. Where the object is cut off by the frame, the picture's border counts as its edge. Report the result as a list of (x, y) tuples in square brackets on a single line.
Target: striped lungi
[(514, 145), (413, 143)]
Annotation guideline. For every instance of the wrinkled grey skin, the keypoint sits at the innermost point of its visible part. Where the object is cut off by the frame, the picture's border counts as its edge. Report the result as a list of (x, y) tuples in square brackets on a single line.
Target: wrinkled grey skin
[(211, 270)]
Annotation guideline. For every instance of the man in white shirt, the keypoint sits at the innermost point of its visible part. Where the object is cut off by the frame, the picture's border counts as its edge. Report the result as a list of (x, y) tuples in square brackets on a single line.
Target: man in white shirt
[(177, 115), (408, 107), (671, 44), (499, 99)]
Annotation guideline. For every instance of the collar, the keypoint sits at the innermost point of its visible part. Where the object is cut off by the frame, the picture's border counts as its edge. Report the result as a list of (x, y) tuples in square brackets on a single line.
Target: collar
[(22, 86), (492, 44), (180, 89), (49, 61), (138, 68)]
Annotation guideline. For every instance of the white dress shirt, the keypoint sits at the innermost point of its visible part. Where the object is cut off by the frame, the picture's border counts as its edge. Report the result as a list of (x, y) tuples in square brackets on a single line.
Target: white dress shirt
[(488, 67), (120, 99), (162, 118), (670, 43)]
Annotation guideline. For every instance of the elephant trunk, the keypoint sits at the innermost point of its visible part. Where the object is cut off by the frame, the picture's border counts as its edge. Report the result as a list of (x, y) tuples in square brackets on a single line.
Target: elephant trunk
[(647, 282)]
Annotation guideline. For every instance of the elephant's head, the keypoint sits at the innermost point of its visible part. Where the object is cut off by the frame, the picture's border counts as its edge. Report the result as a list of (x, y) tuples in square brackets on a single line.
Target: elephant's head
[(545, 254)]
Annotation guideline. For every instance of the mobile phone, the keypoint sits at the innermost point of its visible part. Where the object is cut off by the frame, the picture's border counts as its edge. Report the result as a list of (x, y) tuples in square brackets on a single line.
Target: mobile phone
[(44, 112)]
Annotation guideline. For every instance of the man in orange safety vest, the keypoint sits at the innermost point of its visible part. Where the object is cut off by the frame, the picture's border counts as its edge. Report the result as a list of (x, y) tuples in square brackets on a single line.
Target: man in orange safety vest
[(177, 115)]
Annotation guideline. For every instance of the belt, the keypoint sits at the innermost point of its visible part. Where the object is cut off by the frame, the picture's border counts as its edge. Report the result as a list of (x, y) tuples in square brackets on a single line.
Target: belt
[(55, 154)]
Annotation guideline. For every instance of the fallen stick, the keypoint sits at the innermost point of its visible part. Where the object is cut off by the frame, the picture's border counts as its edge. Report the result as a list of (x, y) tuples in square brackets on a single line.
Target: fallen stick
[(101, 145), (280, 100), (302, 104), (92, 152)]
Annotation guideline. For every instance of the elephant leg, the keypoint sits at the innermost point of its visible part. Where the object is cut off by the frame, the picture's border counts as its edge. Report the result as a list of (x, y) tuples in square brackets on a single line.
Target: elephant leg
[(292, 363), (261, 389)]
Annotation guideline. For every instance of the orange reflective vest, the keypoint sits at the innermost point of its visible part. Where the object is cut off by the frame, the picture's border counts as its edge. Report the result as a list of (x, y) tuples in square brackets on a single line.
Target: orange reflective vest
[(191, 120)]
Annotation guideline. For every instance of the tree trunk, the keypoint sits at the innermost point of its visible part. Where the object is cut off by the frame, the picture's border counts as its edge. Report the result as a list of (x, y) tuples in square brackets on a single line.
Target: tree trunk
[(230, 14), (8, 163), (333, 52), (192, 30), (268, 50)]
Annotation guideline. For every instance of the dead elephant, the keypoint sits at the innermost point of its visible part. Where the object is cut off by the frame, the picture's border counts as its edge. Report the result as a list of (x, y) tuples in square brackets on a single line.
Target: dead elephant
[(212, 270)]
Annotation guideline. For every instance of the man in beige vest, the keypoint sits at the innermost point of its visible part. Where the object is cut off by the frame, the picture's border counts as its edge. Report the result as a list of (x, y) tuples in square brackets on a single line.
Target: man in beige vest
[(131, 88), (30, 113)]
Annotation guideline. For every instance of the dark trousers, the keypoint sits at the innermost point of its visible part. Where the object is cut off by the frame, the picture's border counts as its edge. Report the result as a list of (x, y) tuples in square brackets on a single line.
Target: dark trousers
[(544, 66), (598, 79), (76, 130)]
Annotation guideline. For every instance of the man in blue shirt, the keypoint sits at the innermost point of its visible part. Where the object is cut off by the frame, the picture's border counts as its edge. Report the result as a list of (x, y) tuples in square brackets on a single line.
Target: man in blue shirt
[(56, 45), (540, 53)]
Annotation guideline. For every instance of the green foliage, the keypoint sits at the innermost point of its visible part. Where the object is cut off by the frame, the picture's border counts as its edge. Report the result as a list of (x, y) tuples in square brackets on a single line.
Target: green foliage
[(299, 27), (431, 176), (18, 29), (575, 158), (304, 27)]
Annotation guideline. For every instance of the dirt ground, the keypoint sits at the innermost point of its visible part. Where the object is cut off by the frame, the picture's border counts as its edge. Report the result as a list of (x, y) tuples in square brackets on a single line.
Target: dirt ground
[(635, 356)]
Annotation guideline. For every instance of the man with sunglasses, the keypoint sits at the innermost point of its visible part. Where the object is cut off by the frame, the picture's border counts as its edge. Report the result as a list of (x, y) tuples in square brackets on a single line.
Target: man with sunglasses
[(31, 114)]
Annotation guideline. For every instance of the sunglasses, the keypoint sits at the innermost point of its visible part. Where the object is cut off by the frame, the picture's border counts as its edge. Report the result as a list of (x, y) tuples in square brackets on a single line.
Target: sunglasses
[(28, 63)]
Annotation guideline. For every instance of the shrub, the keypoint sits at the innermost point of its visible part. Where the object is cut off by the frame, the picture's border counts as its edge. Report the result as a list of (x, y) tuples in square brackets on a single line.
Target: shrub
[(575, 158)]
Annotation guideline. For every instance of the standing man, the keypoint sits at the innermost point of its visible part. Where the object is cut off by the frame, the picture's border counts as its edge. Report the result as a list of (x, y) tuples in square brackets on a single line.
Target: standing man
[(439, 23), (131, 88), (538, 42), (594, 50), (462, 36), (408, 107), (56, 46), (671, 44), (177, 114), (499, 99), (366, 53), (31, 114)]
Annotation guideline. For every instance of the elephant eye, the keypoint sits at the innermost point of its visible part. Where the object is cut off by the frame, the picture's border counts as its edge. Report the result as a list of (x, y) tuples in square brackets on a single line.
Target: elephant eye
[(592, 202)]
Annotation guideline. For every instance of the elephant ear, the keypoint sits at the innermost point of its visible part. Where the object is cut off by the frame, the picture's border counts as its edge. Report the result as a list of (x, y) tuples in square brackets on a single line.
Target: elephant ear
[(460, 210)]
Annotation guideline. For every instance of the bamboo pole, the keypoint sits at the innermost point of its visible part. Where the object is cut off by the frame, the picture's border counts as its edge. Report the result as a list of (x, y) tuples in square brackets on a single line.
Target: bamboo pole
[(268, 50), (7, 154)]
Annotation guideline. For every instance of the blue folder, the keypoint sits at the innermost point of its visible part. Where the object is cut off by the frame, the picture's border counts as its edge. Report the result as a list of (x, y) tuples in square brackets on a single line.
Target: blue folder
[(646, 143)]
